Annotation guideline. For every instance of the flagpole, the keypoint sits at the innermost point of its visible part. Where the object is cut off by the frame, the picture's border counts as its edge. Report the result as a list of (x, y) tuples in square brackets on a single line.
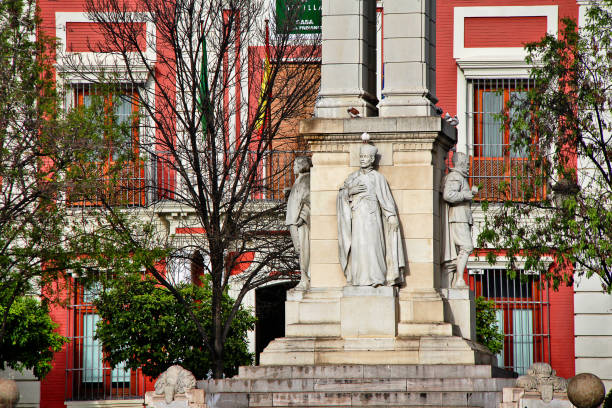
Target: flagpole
[(268, 90)]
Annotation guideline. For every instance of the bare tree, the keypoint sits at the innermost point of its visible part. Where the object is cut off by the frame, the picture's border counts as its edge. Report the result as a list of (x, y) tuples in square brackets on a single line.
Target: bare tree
[(219, 97)]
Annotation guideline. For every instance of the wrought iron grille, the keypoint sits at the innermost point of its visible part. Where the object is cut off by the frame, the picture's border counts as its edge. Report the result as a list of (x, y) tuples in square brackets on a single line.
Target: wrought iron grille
[(502, 172), (522, 307), (88, 377), (126, 186)]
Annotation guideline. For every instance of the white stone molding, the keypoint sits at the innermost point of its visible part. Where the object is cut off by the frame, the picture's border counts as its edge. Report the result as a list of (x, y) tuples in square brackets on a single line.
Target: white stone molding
[(93, 59)]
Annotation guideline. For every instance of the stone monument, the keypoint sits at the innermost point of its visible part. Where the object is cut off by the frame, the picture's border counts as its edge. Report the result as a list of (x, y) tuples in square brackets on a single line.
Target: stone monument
[(377, 325), (376, 293)]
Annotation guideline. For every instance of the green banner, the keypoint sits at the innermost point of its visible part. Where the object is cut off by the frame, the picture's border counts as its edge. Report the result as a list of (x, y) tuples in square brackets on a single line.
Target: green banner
[(305, 16)]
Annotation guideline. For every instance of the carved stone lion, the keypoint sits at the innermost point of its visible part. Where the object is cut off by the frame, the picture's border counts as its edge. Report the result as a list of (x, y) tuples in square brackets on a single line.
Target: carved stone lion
[(175, 380)]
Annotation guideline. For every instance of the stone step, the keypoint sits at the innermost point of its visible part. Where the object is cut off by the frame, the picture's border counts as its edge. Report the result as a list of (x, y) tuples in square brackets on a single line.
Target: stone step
[(364, 406), (373, 371), (340, 399), (356, 385)]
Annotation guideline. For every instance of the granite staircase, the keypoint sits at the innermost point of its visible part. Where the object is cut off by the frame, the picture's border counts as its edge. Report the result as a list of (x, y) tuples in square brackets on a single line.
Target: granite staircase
[(431, 386)]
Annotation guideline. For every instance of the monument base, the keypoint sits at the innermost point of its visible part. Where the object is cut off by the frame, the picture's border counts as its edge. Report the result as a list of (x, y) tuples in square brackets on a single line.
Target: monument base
[(382, 350), (306, 386), (365, 325)]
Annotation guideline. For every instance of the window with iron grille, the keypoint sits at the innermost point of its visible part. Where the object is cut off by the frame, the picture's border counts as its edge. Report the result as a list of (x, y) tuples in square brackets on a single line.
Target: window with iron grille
[(523, 315), (88, 376), (129, 188), (501, 171)]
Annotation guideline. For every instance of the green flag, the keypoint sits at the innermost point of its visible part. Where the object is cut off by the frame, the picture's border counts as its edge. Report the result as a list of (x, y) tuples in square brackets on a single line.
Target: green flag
[(203, 85)]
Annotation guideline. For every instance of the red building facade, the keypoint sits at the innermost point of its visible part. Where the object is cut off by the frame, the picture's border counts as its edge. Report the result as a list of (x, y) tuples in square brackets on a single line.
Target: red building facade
[(479, 64)]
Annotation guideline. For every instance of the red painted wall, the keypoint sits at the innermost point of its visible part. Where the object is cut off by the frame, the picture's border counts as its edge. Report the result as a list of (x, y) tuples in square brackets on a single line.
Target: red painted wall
[(562, 331), (446, 66), (86, 37), (483, 32), (53, 386)]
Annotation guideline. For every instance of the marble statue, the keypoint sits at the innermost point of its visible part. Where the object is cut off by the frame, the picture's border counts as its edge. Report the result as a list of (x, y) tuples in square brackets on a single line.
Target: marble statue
[(458, 233), (298, 217), (175, 380), (370, 244)]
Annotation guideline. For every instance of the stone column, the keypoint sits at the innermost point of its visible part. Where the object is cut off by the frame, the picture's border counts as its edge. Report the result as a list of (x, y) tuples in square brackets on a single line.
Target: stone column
[(409, 58), (348, 66)]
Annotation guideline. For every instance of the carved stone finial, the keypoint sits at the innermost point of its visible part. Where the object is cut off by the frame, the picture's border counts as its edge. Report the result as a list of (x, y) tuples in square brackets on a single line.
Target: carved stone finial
[(586, 390), (175, 380), (543, 379)]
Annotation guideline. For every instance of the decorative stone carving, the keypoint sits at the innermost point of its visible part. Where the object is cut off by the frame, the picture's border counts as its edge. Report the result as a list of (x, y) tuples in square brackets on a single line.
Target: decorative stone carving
[(586, 390), (175, 380), (370, 245), (298, 217), (543, 379), (9, 393), (458, 231)]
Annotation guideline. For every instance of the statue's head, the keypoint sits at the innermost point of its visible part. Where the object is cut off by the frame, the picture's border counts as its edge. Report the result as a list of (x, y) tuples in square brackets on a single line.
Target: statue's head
[(367, 155), (301, 164), (461, 162)]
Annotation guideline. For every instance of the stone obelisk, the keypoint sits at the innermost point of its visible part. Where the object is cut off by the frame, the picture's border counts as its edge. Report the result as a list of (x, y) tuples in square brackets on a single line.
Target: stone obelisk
[(417, 321)]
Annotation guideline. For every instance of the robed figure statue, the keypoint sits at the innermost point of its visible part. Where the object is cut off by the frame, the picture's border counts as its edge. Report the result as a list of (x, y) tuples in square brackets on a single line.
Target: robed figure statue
[(370, 245), (298, 217)]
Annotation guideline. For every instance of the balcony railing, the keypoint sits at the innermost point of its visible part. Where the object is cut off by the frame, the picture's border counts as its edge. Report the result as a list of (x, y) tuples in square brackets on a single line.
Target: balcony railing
[(126, 187), (504, 176), (148, 182)]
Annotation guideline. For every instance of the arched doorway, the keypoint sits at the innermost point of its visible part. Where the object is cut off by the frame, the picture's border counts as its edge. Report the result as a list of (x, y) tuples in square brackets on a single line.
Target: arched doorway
[(270, 313)]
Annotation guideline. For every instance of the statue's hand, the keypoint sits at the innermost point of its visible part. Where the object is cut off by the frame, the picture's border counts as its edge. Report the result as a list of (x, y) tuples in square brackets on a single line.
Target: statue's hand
[(475, 190), (357, 188), (393, 222)]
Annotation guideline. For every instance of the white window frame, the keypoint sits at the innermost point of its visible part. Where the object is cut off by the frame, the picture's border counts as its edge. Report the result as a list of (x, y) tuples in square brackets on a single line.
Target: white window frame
[(494, 62)]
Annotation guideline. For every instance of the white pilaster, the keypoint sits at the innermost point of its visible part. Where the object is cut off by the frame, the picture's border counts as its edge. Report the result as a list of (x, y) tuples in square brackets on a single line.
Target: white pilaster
[(409, 58), (348, 66)]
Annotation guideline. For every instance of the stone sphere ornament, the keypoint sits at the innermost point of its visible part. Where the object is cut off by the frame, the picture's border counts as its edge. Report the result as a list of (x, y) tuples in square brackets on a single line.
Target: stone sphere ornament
[(9, 393), (586, 390)]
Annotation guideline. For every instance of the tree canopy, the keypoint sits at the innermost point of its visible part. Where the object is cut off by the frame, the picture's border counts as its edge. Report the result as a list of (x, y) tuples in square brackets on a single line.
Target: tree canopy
[(143, 325)]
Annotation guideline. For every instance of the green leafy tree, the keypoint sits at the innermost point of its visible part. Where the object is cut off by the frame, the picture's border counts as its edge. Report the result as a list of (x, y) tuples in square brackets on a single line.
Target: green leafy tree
[(487, 332), (608, 400), (30, 339), (144, 325), (565, 125)]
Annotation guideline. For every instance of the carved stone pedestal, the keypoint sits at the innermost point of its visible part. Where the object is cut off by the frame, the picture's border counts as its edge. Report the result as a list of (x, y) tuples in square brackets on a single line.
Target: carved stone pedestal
[(460, 311), (368, 312)]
